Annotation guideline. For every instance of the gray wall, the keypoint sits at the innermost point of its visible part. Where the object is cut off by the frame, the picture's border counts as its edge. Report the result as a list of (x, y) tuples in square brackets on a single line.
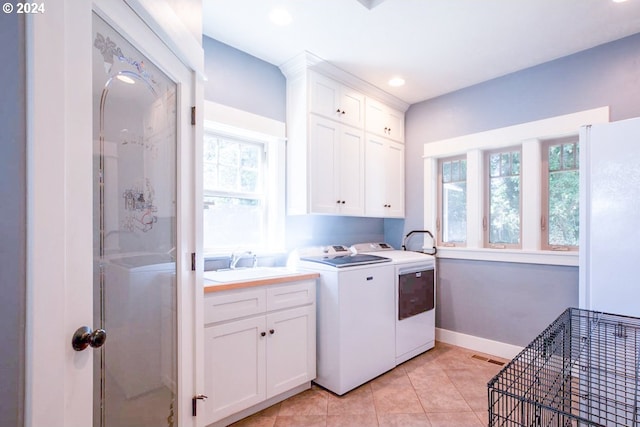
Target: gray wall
[(242, 81), (510, 302), (12, 218), (239, 80), (505, 302)]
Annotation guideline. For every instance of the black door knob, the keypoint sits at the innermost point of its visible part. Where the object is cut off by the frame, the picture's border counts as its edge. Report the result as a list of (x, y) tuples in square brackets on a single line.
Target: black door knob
[(84, 337)]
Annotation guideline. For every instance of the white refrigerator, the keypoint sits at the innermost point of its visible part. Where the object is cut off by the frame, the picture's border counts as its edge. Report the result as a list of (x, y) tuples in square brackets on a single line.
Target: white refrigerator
[(610, 217)]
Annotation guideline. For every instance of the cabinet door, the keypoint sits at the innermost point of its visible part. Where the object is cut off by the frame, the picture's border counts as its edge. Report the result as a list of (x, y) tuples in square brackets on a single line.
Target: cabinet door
[(395, 179), (351, 178), (325, 96), (395, 125), (384, 121), (375, 177), (352, 107), (324, 137), (336, 101), (384, 179), (291, 349), (234, 366), (376, 117)]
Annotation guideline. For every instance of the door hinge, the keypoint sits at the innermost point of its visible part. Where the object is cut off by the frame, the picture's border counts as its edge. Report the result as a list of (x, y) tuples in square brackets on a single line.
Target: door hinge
[(193, 261), (193, 116), (194, 403)]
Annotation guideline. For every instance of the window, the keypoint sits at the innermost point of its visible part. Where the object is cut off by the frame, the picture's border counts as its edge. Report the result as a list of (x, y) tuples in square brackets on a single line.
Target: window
[(505, 191), (502, 227), (560, 194), (452, 201), (234, 192), (243, 182)]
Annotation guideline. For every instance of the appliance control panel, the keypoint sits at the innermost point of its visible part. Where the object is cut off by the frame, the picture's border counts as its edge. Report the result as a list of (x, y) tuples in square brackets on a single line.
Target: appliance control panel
[(321, 251), (336, 250), (371, 247)]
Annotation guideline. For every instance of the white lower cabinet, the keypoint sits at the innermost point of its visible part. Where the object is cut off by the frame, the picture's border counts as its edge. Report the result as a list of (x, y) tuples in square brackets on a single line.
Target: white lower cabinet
[(289, 361), (235, 366), (253, 358)]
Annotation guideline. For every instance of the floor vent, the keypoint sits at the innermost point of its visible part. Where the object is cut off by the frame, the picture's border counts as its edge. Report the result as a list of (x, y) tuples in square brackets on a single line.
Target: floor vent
[(486, 359)]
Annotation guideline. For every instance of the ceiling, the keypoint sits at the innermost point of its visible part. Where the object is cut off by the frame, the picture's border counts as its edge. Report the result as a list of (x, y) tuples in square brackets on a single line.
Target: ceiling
[(437, 46)]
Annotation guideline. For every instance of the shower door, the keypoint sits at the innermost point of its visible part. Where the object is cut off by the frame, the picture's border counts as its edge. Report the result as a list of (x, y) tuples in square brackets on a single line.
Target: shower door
[(112, 218), (134, 234)]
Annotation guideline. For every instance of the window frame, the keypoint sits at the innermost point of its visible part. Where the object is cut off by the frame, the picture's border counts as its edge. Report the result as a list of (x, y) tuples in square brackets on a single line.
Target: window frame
[(544, 193), (240, 125), (529, 135), (262, 193), (440, 216), (486, 218)]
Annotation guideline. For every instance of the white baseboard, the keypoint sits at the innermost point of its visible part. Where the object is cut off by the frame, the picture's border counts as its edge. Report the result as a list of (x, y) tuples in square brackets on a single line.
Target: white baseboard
[(494, 348)]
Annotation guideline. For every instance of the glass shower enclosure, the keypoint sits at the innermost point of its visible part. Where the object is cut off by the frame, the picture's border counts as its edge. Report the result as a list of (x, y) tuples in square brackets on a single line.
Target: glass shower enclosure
[(134, 234)]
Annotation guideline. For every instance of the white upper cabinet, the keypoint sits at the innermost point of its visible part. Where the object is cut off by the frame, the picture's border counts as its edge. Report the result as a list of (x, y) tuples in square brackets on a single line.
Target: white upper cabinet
[(384, 177), (336, 168), (336, 101), (329, 115), (384, 120)]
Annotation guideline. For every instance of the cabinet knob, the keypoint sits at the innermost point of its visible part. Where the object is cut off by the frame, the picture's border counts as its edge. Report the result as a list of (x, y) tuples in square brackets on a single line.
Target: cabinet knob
[(338, 201), (342, 202), (338, 111), (342, 111), (262, 334), (272, 331)]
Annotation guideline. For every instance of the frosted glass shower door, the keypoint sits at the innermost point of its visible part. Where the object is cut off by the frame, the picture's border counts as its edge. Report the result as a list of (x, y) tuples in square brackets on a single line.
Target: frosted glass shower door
[(134, 216)]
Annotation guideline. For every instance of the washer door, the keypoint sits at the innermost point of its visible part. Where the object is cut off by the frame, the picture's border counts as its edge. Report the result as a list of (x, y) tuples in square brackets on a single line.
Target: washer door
[(415, 293)]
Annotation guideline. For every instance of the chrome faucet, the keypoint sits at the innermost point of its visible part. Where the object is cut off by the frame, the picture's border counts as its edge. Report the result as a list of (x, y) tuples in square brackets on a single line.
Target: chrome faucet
[(235, 258)]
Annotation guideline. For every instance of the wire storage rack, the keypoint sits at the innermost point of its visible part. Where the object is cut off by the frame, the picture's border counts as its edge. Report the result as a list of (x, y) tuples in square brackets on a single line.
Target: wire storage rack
[(582, 370)]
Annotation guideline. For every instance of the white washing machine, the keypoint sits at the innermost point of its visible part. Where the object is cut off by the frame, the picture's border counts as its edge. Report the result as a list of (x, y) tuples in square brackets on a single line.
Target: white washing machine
[(140, 322), (414, 295), (355, 315)]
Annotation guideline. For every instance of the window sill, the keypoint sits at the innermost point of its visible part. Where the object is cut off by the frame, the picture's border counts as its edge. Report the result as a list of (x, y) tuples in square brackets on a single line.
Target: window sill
[(510, 255)]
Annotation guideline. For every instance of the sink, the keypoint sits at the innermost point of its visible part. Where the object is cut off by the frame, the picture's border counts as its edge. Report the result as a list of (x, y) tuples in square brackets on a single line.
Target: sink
[(245, 274)]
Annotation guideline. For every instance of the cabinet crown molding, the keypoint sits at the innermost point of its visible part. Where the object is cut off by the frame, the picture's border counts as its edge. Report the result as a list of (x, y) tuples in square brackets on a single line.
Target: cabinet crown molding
[(299, 64)]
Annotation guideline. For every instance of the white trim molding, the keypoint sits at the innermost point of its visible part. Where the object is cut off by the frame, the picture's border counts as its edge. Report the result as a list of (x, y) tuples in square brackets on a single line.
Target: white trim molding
[(227, 121), (483, 345), (164, 22)]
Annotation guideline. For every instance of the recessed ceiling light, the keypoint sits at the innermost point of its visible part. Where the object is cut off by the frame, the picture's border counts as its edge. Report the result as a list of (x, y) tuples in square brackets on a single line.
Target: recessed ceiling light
[(280, 17), (396, 82), (619, 1)]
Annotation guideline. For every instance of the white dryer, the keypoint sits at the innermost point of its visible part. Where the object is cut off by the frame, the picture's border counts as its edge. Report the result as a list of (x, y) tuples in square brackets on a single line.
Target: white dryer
[(415, 297)]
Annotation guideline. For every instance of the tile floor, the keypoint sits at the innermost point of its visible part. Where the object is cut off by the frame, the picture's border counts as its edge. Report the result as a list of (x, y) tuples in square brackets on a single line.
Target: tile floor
[(443, 387)]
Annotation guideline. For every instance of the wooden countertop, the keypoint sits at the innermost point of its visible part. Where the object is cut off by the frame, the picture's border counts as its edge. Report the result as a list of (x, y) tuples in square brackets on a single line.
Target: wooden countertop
[(209, 285)]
